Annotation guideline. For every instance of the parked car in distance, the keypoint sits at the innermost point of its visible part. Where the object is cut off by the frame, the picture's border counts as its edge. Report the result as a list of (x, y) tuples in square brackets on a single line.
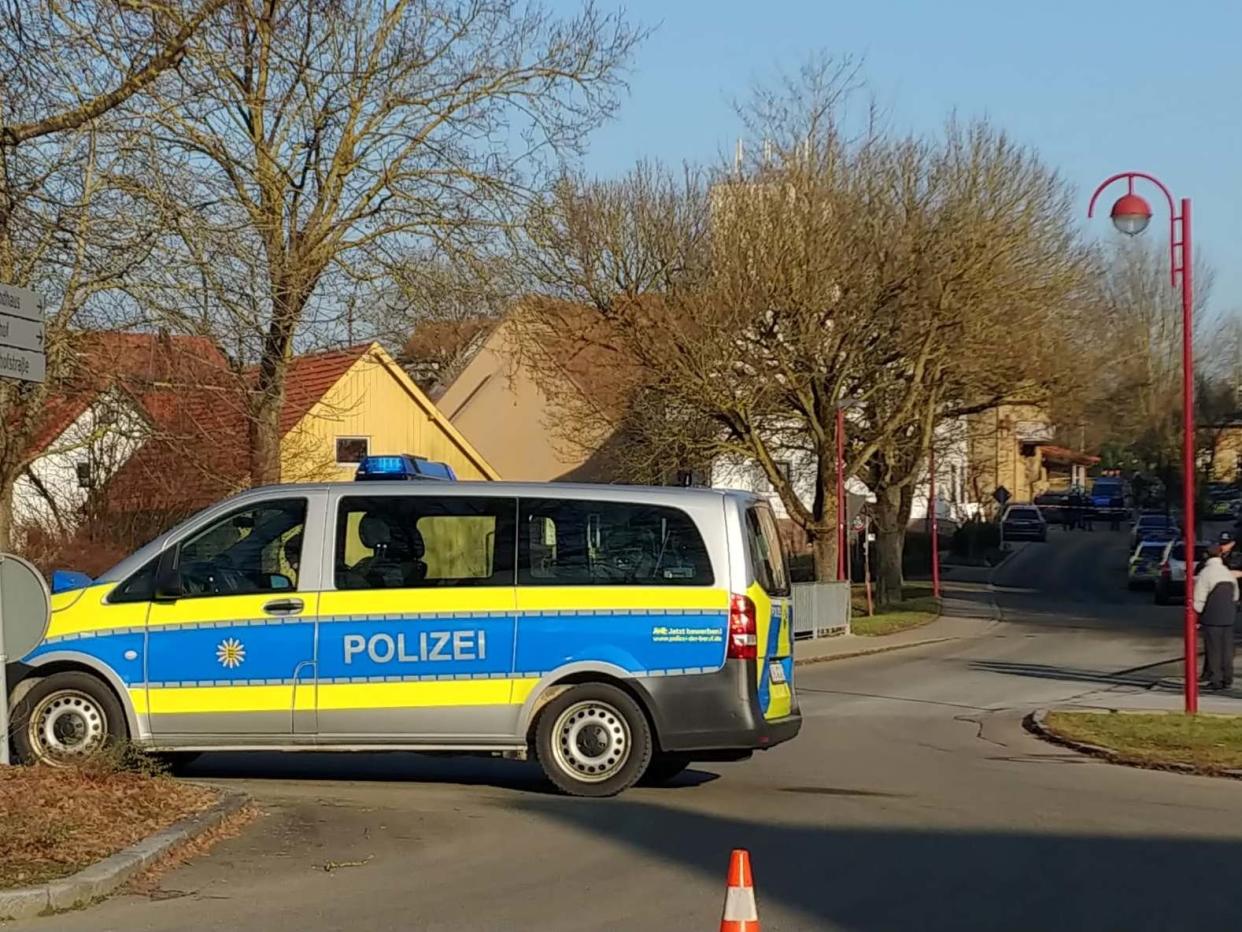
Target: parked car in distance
[(1144, 565), (1171, 583), (1052, 506), (1150, 526), (1023, 522)]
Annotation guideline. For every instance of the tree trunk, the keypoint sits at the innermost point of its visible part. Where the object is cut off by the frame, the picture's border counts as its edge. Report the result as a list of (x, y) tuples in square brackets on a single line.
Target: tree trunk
[(265, 438), (890, 538), (269, 390), (6, 514), (824, 553)]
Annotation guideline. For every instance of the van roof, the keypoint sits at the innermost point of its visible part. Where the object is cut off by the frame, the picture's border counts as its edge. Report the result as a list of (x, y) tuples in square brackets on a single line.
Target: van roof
[(611, 491)]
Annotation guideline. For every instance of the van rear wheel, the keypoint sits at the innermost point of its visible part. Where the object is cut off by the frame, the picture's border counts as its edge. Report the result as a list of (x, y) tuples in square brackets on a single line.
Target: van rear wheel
[(593, 740)]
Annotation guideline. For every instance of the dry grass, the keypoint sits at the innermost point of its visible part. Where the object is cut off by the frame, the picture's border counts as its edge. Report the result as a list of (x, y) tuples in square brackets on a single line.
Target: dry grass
[(54, 822), (1210, 743), (916, 608)]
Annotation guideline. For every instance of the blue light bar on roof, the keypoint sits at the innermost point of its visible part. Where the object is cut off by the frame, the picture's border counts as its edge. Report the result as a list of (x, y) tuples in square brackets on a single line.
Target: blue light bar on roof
[(401, 466)]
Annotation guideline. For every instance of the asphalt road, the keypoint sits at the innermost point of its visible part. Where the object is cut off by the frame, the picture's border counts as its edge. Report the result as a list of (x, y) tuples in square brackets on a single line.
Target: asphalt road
[(912, 800)]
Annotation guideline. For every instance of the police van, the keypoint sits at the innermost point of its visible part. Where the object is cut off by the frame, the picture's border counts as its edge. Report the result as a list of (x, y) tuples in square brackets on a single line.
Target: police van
[(612, 632)]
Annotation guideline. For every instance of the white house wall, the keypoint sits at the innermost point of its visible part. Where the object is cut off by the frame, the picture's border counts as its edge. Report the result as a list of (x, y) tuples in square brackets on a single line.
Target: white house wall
[(953, 502), (106, 435)]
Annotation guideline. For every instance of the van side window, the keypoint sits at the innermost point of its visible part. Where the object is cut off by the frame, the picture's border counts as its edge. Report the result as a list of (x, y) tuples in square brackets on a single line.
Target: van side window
[(766, 557), (418, 542), (140, 586), (255, 549), (584, 543)]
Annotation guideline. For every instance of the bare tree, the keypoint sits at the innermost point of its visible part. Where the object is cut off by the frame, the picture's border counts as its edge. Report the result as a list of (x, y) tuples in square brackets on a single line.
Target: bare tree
[(67, 229), (324, 143), (1133, 403), (899, 277)]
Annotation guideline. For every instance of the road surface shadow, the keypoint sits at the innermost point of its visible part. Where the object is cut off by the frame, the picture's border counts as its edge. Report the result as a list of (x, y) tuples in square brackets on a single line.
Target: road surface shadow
[(393, 767), (1165, 675), (879, 879), (1045, 671)]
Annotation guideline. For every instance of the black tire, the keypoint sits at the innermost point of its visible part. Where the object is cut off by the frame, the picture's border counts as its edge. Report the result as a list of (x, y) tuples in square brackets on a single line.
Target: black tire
[(1161, 597), (592, 726), (66, 718), (664, 768)]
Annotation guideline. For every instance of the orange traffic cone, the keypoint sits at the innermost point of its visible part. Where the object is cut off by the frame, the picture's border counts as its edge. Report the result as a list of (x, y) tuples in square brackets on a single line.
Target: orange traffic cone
[(740, 912)]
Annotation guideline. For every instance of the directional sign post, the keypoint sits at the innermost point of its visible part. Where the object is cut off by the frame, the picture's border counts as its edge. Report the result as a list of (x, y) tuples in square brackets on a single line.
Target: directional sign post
[(23, 594), (24, 615), (21, 335)]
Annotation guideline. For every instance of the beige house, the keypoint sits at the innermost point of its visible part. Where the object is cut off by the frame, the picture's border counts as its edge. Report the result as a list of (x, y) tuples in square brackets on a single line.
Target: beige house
[(513, 411), (1011, 447)]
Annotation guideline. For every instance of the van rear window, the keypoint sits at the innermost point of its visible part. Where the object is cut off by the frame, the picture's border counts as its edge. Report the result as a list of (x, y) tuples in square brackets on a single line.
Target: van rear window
[(766, 557), (585, 543)]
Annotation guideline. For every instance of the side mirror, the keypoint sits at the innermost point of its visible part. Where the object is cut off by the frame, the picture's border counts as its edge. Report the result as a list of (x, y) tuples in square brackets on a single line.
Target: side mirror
[(168, 585), (277, 581)]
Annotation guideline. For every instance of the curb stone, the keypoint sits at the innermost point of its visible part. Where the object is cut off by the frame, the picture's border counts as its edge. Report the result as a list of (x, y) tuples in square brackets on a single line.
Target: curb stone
[(1035, 724), (868, 651), (102, 878)]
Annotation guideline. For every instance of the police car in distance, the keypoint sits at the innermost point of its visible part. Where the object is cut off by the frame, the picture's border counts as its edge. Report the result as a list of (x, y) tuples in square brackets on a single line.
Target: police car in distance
[(612, 632)]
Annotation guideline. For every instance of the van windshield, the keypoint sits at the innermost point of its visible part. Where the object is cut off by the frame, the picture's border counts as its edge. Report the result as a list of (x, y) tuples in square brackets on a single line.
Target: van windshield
[(765, 551)]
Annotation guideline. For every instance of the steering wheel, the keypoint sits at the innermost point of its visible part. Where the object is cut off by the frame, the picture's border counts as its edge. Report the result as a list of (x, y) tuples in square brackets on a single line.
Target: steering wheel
[(211, 578)]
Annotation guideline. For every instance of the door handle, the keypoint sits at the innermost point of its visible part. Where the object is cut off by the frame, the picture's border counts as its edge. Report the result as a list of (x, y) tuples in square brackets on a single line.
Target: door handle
[(284, 606)]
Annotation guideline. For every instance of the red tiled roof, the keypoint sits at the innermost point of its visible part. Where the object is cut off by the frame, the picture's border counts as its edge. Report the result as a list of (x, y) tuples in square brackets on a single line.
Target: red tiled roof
[(133, 363), (201, 448), (310, 377), (1066, 455)]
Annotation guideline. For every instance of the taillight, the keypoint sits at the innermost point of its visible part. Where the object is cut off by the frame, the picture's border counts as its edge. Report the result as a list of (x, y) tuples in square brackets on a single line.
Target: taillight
[(743, 633), (1164, 570)]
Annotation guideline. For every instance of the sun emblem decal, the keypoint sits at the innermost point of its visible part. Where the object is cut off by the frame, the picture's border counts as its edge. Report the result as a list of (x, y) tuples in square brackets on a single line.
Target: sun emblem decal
[(231, 653)]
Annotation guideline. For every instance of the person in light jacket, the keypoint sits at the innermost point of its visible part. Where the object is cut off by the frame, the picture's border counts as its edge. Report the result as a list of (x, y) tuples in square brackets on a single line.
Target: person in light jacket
[(1216, 597)]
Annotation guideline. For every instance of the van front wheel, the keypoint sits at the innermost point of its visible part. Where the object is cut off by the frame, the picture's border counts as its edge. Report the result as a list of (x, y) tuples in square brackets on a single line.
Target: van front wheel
[(66, 718), (593, 740)]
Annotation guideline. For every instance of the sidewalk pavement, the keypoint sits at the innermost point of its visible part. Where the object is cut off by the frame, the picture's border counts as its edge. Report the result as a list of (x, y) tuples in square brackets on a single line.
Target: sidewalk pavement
[(944, 628)]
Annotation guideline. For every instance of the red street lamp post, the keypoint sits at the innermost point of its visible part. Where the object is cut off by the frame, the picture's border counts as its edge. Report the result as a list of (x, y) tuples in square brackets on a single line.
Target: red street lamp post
[(1130, 215), (932, 513), (842, 517)]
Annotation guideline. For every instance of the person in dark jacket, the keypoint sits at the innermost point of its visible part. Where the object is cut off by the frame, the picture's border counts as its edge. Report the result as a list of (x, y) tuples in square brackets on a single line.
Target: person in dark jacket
[(1216, 597)]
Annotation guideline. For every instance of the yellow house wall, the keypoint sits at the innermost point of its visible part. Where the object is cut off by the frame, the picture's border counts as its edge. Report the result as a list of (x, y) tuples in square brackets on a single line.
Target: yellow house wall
[(1225, 461), (996, 453), (374, 399)]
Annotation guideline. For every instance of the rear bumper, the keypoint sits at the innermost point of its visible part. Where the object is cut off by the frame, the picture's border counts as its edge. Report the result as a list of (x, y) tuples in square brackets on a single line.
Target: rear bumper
[(1025, 533), (715, 715)]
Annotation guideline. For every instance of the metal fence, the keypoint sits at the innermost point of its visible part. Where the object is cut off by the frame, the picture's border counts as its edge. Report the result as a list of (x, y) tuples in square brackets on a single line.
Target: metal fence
[(820, 609)]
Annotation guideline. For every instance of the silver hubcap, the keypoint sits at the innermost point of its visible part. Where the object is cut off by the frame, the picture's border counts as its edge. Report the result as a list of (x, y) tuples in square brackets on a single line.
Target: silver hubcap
[(67, 726), (592, 741)]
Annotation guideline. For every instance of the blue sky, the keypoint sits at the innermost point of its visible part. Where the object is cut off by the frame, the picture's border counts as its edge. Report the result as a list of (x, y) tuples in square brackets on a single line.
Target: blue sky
[(1098, 86)]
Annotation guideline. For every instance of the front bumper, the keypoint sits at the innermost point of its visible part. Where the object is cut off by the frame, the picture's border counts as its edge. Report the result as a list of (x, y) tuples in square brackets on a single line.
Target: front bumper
[(716, 715)]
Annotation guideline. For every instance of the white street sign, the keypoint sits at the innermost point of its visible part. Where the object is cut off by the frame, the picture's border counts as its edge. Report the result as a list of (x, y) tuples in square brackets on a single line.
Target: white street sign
[(23, 365), (21, 335), (20, 302)]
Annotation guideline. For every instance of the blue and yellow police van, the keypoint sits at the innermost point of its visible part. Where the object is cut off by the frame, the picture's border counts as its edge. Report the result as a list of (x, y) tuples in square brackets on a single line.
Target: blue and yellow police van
[(611, 632)]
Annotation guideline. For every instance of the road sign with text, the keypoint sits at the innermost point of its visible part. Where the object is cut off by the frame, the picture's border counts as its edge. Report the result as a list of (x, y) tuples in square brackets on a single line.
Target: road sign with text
[(21, 335)]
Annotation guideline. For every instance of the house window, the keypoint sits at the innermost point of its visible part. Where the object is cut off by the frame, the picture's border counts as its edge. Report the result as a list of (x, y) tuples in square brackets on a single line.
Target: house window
[(351, 450), (785, 468), (85, 477)]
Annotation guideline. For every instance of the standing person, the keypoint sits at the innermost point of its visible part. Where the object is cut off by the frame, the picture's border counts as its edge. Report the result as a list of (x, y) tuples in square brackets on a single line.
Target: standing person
[(1216, 597)]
